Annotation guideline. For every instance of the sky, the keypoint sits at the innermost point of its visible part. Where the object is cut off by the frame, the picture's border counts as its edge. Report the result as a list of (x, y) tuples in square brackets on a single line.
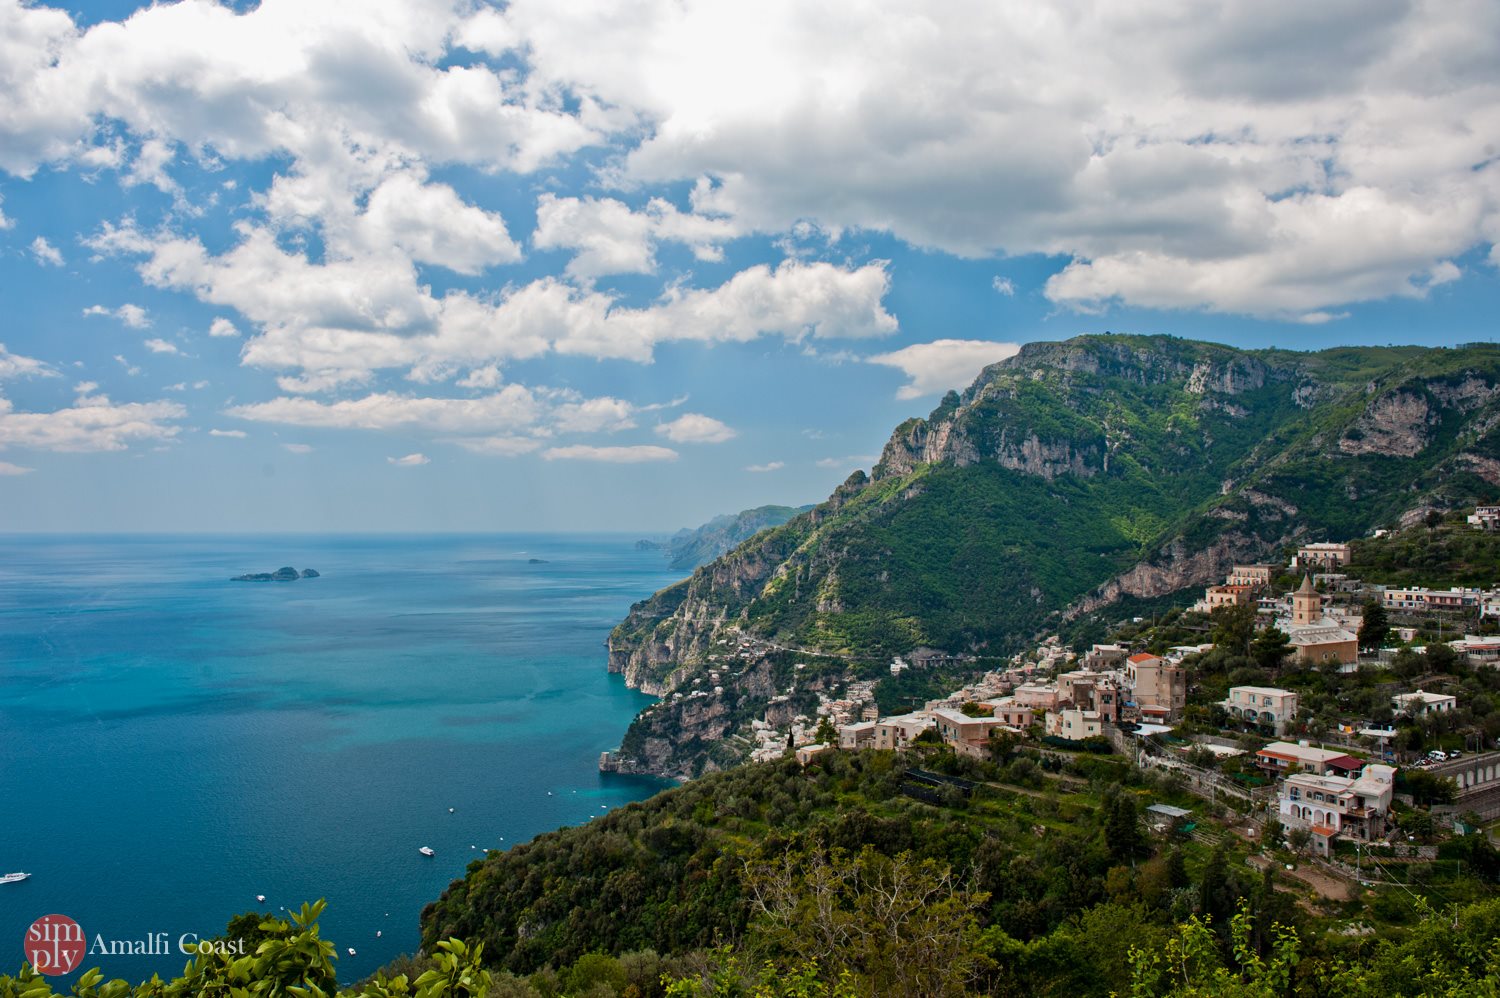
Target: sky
[(368, 265)]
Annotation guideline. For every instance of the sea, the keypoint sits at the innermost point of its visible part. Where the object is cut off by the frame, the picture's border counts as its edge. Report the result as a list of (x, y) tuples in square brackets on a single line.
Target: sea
[(173, 744)]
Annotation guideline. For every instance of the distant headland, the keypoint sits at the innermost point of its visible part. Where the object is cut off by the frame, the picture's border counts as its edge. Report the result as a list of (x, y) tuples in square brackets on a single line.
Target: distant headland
[(287, 574)]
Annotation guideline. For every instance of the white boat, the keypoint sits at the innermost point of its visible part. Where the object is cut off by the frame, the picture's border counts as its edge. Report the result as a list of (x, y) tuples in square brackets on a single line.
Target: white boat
[(351, 951), (426, 851), (260, 898), (12, 878)]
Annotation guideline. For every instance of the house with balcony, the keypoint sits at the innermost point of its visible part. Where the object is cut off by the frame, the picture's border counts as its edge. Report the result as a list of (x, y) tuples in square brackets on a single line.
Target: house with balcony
[(1325, 556), (1286, 758), (1330, 806), (1255, 576), (1263, 706)]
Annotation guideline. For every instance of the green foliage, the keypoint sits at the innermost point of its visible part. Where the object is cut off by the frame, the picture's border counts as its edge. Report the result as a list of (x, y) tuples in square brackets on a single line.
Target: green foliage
[(1374, 625), (1190, 965), (1454, 554)]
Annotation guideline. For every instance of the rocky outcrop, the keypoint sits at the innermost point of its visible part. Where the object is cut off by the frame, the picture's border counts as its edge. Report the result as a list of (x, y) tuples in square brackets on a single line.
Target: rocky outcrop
[(1176, 568), (1467, 394), (286, 574), (1397, 424), (1032, 456)]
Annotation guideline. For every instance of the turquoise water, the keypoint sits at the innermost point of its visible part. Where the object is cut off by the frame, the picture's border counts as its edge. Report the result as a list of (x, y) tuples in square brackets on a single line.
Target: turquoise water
[(173, 744)]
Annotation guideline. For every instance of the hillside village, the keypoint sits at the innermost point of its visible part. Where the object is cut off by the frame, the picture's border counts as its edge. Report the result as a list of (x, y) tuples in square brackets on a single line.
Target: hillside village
[(1340, 712)]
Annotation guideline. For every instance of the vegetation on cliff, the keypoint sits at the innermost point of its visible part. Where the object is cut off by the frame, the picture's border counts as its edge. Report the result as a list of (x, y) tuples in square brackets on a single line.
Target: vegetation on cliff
[(1099, 467), (833, 880), (1071, 480)]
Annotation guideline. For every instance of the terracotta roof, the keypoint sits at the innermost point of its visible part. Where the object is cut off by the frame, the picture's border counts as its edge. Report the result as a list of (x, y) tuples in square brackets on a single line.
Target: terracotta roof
[(1141, 657), (1307, 586)]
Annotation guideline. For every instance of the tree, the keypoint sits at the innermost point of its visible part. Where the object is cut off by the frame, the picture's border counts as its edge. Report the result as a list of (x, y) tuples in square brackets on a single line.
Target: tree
[(827, 733), (1233, 627), (1440, 657), (1270, 648), (1122, 827), (1189, 966), (1375, 625), (898, 925)]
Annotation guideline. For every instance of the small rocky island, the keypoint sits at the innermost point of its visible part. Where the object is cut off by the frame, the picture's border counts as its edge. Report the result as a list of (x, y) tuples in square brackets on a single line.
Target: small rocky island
[(287, 574)]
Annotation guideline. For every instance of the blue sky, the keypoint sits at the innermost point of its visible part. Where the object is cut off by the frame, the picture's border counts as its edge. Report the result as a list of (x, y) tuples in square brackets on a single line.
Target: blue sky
[(433, 265)]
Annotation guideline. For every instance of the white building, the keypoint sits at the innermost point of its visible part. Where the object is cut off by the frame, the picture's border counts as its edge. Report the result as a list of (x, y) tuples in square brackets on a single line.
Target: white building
[(860, 735), (1329, 806), (899, 732), (1485, 518), (1074, 724), (1421, 702)]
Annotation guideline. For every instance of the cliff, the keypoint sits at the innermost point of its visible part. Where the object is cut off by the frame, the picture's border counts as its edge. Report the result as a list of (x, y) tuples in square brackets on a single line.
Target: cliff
[(1062, 480)]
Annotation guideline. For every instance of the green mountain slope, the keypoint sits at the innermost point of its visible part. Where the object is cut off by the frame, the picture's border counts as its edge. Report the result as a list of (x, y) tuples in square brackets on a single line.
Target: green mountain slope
[(1076, 474)]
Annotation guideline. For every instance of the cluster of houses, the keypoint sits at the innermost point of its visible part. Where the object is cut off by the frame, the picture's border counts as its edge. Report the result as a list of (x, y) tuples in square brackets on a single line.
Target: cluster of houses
[(1112, 692), (1113, 687)]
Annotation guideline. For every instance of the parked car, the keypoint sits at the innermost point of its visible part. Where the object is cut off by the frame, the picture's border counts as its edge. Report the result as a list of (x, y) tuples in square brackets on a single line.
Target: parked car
[(1438, 755)]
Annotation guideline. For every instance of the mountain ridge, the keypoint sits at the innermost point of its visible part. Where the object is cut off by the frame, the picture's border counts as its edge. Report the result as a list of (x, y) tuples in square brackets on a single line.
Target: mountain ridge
[(1062, 480)]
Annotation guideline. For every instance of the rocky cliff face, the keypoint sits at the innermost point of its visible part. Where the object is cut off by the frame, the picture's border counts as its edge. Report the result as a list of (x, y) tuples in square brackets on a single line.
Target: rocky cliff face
[(1064, 479)]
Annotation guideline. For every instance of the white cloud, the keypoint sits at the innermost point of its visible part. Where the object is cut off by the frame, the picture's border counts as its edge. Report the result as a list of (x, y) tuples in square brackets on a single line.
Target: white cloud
[(1275, 158), (693, 428), (609, 415), (5, 222), (222, 328), (409, 461), (337, 321), (1005, 286), (298, 448), (481, 377), (131, 315), (45, 252), (235, 434), (513, 408), (943, 364), (608, 237), (1271, 158), (768, 466), (92, 423), (6, 468), (15, 366), (610, 455), (432, 224), (160, 346), (499, 446), (130, 369)]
